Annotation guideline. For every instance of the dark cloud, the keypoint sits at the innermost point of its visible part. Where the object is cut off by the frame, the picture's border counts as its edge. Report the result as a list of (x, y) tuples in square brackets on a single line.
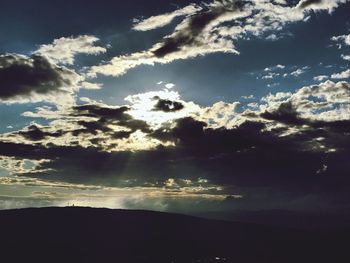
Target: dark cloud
[(106, 116), (251, 158), (34, 133), (245, 156), (242, 158), (286, 113), (196, 24), (21, 76), (186, 130), (92, 127), (92, 110), (168, 105)]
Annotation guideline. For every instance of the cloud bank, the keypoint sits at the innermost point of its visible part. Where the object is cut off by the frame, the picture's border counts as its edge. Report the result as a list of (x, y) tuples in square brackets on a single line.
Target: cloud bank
[(107, 145)]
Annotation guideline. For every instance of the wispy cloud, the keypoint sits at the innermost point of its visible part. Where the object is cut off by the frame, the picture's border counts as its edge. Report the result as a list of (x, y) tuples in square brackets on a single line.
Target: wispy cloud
[(320, 78), (158, 21), (63, 50), (211, 28)]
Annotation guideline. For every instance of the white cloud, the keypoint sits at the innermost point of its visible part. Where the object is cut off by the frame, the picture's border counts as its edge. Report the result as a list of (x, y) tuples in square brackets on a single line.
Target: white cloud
[(320, 78), (270, 75), (346, 40), (278, 66), (327, 101), (220, 114), (272, 37), (312, 5), (281, 2), (345, 57), (343, 38), (249, 97), (341, 75), (120, 65), (170, 85), (90, 85), (63, 50), (297, 72), (273, 84), (158, 21), (143, 105)]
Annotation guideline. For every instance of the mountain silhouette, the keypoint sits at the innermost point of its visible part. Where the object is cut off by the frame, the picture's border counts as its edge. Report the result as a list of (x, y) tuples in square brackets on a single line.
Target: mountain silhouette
[(76, 234)]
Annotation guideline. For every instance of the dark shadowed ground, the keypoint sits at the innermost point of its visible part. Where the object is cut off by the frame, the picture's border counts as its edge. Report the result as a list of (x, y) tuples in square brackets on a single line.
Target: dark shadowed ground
[(102, 235)]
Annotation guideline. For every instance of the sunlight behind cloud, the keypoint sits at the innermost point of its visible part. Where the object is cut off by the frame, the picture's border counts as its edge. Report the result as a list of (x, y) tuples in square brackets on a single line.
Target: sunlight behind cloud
[(144, 107)]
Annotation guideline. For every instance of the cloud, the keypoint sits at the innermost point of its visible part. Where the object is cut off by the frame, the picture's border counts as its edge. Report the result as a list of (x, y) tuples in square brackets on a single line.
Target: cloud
[(211, 28), (193, 30), (297, 72), (345, 57), (270, 75), (341, 75), (168, 105), (158, 133), (22, 191), (33, 79), (158, 107), (346, 40), (320, 78), (327, 101), (343, 38), (17, 166), (194, 36), (277, 67), (281, 2), (63, 50), (158, 21), (270, 85), (249, 97), (35, 133), (220, 114), (169, 85), (317, 5)]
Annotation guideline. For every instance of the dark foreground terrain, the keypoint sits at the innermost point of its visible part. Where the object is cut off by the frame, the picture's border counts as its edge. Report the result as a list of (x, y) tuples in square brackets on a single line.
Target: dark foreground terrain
[(101, 235)]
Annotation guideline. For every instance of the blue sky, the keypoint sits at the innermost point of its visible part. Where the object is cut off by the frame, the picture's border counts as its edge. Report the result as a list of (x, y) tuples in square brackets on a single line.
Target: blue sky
[(122, 83)]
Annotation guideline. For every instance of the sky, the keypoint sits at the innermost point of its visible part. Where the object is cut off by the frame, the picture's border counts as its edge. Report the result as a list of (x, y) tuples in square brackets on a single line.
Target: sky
[(180, 106)]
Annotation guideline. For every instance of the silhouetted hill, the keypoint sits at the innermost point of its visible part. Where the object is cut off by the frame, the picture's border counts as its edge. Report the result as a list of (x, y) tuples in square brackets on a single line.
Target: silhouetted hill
[(307, 220), (101, 235)]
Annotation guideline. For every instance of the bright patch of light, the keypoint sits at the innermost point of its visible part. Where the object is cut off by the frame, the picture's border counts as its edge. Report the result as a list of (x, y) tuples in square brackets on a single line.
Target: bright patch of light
[(143, 107), (138, 141)]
